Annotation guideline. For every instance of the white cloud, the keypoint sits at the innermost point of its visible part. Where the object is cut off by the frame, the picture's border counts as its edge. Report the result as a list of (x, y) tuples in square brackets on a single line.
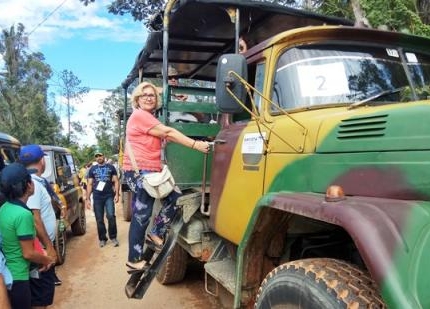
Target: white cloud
[(86, 113), (51, 20)]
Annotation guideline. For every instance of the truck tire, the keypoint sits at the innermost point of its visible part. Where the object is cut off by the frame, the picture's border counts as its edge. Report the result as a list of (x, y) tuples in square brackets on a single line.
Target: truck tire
[(173, 270), (318, 283), (60, 246), (79, 226), (126, 205)]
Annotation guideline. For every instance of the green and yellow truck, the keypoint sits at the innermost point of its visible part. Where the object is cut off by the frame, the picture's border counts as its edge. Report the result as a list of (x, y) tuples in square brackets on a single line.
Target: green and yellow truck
[(316, 193)]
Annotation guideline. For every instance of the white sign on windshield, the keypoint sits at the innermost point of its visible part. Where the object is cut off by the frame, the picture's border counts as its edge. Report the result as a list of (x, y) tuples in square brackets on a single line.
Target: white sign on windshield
[(323, 80)]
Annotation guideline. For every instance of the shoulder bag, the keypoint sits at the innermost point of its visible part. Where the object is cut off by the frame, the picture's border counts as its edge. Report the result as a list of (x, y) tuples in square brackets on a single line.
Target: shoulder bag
[(157, 184)]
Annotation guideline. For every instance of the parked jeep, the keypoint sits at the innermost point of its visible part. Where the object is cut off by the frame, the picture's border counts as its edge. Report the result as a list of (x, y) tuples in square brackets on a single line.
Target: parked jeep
[(62, 174)]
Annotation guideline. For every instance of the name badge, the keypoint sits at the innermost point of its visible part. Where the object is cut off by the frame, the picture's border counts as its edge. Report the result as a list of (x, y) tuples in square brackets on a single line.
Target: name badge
[(100, 186)]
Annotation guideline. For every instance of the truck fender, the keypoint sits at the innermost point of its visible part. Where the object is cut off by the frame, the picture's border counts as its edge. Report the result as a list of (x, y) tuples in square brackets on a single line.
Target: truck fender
[(382, 230)]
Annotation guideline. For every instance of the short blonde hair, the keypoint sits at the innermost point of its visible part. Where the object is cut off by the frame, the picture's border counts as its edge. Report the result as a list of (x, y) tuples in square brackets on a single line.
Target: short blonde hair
[(138, 91)]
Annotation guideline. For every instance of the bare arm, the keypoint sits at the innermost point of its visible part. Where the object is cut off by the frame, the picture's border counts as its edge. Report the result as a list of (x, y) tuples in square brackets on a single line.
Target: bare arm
[(175, 136), (89, 191), (115, 181), (4, 299), (32, 255), (43, 235)]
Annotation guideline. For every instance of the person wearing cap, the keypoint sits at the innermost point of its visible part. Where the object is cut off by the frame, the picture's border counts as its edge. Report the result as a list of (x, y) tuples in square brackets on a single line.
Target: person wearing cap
[(181, 116), (17, 228), (172, 79), (103, 183), (145, 135), (33, 158)]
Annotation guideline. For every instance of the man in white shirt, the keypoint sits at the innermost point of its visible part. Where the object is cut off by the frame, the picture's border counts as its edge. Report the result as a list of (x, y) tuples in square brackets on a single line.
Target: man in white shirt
[(42, 288)]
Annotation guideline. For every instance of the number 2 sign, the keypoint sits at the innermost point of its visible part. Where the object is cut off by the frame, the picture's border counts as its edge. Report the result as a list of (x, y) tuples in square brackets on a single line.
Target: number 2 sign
[(322, 80)]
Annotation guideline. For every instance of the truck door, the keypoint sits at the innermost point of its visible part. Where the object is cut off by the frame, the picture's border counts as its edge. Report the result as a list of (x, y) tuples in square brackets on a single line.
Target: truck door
[(238, 170)]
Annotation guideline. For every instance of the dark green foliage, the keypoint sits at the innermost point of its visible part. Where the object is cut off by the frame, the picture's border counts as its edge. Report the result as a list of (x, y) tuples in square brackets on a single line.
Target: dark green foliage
[(24, 109), (140, 10), (72, 91), (106, 127)]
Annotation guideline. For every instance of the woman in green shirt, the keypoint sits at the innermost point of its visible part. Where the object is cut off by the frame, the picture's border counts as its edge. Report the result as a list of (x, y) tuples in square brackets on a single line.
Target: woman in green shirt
[(18, 232)]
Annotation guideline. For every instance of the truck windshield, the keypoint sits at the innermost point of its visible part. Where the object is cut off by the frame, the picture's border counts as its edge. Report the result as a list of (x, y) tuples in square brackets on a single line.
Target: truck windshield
[(319, 75)]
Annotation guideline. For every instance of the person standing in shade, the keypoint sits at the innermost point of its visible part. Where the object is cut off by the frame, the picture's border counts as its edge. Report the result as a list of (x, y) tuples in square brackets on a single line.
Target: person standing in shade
[(103, 183), (42, 288)]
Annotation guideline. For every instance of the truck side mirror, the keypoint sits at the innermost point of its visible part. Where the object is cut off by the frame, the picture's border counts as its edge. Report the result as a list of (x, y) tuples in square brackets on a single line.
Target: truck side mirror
[(225, 102)]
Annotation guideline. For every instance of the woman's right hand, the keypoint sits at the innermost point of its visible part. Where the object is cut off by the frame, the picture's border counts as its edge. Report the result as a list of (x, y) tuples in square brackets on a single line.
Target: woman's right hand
[(202, 146)]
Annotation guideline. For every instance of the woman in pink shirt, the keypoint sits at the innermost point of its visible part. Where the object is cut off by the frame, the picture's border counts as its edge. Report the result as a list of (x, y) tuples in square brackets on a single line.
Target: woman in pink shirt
[(145, 134)]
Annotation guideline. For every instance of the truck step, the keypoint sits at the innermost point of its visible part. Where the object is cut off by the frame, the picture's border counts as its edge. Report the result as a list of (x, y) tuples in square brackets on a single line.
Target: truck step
[(222, 272)]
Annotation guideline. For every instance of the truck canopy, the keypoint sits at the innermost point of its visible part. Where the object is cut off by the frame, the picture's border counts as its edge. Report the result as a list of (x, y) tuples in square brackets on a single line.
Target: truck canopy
[(202, 30)]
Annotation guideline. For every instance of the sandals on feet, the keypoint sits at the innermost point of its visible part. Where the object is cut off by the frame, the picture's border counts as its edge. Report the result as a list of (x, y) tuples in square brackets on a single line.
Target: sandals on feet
[(154, 242), (137, 267)]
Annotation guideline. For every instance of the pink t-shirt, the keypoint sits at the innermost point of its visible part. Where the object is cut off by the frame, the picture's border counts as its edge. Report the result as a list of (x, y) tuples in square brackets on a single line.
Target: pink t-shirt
[(146, 148)]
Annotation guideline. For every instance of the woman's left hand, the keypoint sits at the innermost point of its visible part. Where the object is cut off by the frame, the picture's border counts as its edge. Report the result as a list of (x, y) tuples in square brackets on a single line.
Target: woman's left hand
[(202, 146)]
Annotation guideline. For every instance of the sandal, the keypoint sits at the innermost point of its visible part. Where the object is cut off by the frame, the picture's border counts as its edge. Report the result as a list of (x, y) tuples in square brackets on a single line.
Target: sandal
[(137, 267), (154, 242)]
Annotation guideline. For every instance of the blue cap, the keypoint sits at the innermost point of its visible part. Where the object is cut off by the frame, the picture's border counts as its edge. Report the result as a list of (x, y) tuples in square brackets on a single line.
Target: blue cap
[(30, 154), (13, 173)]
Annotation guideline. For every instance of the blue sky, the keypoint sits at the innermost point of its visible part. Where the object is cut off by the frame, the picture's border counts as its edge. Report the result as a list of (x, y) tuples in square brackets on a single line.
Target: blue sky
[(99, 64), (98, 47)]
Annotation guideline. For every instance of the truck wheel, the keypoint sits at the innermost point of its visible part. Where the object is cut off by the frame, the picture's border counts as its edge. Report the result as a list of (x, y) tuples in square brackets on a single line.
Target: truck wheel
[(173, 270), (126, 205), (79, 227), (318, 283), (60, 246)]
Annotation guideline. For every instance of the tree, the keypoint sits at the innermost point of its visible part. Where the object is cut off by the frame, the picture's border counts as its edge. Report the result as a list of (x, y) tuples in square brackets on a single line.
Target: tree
[(72, 92), (24, 109), (140, 10), (423, 8), (106, 127), (394, 15), (398, 15)]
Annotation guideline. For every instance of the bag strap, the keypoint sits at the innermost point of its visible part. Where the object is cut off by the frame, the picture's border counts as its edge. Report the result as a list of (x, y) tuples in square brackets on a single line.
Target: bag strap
[(48, 188), (132, 158)]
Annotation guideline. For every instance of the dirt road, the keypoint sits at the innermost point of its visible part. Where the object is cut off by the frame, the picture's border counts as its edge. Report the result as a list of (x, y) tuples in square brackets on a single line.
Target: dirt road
[(95, 277)]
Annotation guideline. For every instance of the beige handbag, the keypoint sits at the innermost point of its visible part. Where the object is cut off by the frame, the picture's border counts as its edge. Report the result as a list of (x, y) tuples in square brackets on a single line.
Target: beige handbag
[(156, 184)]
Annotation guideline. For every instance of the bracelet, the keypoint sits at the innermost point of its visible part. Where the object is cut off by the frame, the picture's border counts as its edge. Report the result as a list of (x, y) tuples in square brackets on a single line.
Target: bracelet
[(192, 146)]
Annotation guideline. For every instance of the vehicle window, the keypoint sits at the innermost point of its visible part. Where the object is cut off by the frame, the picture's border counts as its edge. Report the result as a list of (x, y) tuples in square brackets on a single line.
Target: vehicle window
[(60, 167), (245, 116), (9, 155), (259, 83), (70, 163), (49, 172), (319, 75), (419, 67)]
